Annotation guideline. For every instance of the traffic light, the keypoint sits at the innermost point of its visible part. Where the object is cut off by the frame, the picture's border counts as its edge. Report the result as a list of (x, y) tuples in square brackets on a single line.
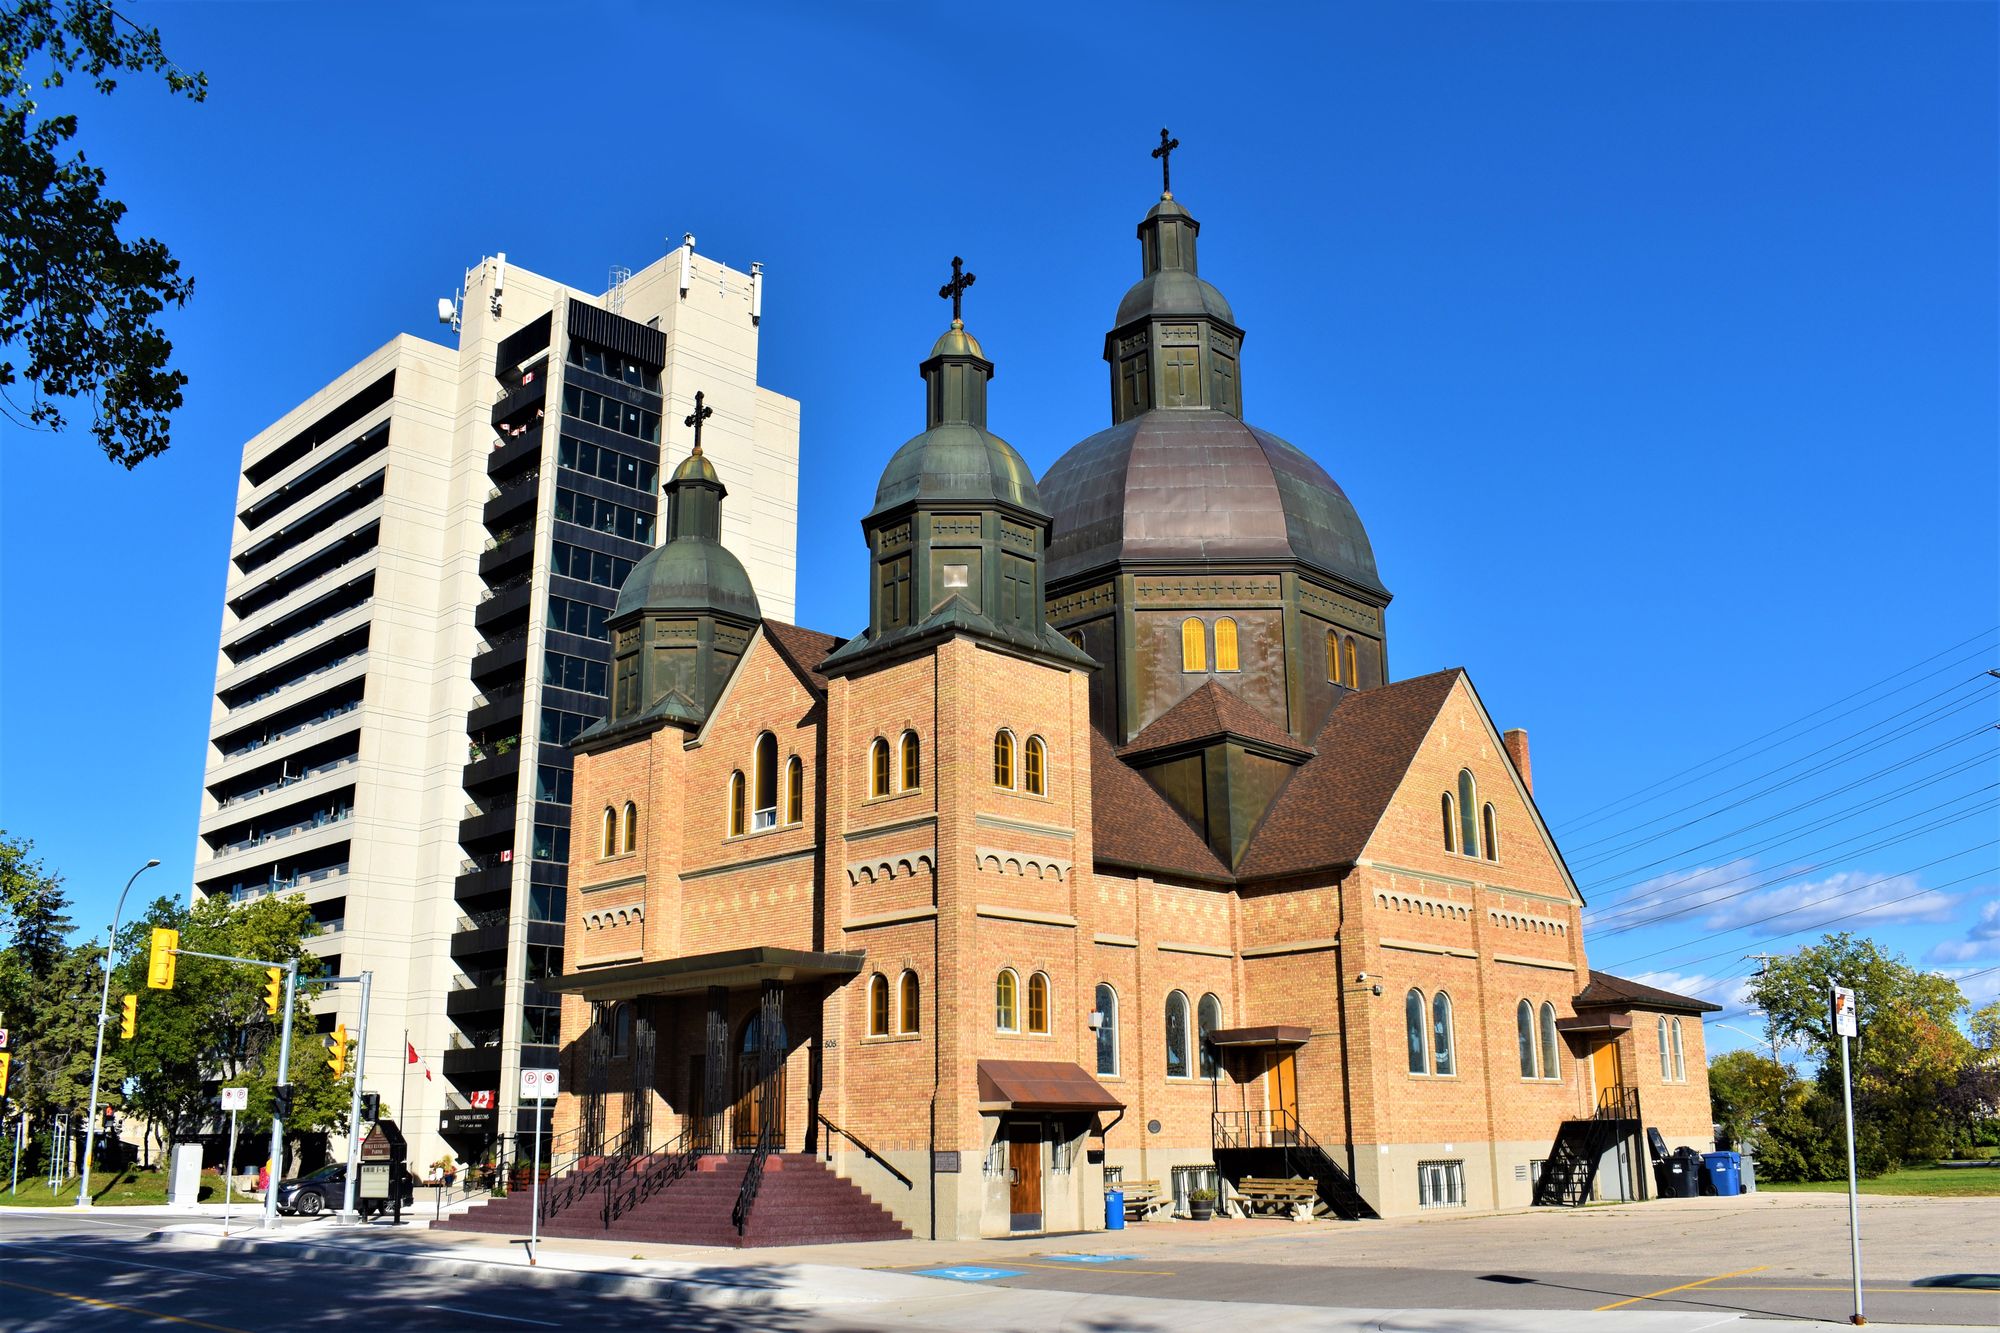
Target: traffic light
[(281, 1101), (128, 1024), (274, 989), (371, 1107), (6, 1069), (160, 963), (336, 1056)]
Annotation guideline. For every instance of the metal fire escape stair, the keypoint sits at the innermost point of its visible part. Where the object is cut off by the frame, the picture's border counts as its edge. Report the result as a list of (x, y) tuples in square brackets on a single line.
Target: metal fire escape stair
[(1571, 1168), (1274, 1143)]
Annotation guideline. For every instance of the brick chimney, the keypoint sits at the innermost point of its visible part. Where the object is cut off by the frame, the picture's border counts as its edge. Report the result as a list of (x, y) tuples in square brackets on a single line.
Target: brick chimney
[(1516, 742)]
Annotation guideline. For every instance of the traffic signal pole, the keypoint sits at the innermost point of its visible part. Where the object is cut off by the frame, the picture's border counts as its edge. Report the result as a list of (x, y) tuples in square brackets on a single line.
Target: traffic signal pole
[(347, 1213), (283, 1079), (103, 1014)]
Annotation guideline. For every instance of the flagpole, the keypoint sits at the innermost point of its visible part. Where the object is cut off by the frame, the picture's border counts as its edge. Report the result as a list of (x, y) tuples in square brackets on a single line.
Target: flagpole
[(403, 1089)]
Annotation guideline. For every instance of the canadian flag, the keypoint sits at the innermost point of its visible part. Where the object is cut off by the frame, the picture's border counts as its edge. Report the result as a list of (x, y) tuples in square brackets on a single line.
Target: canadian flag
[(482, 1100), (415, 1059)]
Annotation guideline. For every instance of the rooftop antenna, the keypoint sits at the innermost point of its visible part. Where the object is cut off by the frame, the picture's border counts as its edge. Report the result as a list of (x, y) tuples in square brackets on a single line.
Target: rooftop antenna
[(687, 262), (499, 279), (614, 295), (448, 309), (756, 293)]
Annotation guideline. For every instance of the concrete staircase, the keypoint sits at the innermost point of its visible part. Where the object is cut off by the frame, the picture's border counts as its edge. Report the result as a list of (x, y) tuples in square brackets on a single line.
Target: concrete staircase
[(802, 1202)]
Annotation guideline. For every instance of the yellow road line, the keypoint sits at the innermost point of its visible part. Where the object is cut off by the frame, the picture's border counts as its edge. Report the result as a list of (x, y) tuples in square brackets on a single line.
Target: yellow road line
[(123, 1309), (1685, 1286), (1876, 1291)]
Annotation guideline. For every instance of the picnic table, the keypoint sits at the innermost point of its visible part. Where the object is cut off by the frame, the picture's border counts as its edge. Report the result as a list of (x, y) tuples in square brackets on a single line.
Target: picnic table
[(1143, 1198), (1276, 1195)]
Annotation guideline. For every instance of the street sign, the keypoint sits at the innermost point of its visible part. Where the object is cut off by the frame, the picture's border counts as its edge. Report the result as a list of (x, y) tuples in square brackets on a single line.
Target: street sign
[(236, 1099), (537, 1084), (3, 1039), (1845, 1023)]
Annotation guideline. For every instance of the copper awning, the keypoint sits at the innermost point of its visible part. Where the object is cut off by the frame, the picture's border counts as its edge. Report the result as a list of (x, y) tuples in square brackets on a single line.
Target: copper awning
[(1282, 1035), (1601, 1021), (1043, 1085), (693, 973)]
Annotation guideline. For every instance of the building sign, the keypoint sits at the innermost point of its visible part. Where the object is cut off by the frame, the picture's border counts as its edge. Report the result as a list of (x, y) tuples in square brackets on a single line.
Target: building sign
[(468, 1122), (944, 1163)]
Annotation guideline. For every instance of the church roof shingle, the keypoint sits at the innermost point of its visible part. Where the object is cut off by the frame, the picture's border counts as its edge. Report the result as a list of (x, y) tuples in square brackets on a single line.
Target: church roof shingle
[(1623, 993), (803, 650), (1210, 712)]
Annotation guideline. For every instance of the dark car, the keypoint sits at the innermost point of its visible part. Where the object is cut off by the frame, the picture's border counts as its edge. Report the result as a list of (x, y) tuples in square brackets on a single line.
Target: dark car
[(315, 1192)]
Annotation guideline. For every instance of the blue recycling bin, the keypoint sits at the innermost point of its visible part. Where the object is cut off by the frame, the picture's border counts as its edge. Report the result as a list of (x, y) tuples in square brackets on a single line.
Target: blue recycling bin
[(1724, 1171), (1114, 1210)]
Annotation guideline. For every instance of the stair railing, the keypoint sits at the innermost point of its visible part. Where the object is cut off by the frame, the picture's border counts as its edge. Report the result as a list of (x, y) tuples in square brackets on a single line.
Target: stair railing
[(1280, 1130), (639, 1178), (753, 1179), (581, 1181), (866, 1151), (1620, 1101)]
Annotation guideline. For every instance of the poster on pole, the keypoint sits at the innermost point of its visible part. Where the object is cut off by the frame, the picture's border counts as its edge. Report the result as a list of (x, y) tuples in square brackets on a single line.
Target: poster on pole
[(1844, 1024), (537, 1084), (236, 1099)]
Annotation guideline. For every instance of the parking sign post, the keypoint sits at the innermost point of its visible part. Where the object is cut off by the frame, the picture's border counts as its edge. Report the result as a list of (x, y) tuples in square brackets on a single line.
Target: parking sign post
[(233, 1100), (536, 1084), (1846, 1024)]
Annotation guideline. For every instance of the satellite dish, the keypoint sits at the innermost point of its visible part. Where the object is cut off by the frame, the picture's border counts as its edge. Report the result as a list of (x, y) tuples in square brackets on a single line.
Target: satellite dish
[(445, 310)]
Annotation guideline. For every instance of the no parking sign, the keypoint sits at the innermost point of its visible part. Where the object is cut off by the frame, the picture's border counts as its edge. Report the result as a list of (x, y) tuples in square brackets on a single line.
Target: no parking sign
[(537, 1084)]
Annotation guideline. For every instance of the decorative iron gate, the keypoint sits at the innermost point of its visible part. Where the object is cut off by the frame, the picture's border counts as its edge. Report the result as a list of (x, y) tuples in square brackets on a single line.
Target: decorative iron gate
[(639, 1118)]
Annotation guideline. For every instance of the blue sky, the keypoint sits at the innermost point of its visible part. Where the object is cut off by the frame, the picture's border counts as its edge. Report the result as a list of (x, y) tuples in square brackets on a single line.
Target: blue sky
[(1654, 343)]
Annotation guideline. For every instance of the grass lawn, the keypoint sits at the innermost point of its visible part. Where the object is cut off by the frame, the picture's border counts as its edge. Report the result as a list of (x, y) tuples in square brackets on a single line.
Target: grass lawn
[(127, 1188), (1937, 1182)]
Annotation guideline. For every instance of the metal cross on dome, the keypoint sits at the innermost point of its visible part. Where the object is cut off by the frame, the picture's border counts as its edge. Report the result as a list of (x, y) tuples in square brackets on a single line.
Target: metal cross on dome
[(696, 417), (1165, 153), (955, 289)]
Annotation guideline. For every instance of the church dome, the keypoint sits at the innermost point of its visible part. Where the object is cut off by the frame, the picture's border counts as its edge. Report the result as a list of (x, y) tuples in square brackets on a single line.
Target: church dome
[(1195, 485), (1171, 290), (957, 461), (688, 574)]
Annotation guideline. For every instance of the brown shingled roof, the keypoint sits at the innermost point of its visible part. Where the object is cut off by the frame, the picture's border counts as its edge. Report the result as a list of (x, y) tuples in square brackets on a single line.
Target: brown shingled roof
[(1210, 712), (1325, 813), (1133, 825), (1624, 993), (804, 650)]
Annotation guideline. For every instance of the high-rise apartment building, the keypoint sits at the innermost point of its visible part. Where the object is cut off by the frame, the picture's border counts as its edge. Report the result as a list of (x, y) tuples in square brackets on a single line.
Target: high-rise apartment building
[(413, 629)]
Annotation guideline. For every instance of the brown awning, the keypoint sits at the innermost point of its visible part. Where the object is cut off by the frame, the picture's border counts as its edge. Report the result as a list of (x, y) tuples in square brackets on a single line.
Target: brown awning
[(1600, 1020), (1284, 1035), (693, 973), (1043, 1085)]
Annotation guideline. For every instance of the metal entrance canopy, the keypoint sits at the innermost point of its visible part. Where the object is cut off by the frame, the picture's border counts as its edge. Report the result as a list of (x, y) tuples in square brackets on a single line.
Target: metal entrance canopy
[(732, 968), (1280, 1035), (1043, 1085)]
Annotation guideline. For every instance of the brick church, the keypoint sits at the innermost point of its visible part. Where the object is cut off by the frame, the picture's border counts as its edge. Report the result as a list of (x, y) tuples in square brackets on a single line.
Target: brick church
[(1109, 851)]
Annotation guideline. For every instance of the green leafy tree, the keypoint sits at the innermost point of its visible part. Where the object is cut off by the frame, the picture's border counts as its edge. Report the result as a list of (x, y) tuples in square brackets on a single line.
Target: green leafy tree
[(79, 301), (1985, 1028), (1745, 1090), (49, 991)]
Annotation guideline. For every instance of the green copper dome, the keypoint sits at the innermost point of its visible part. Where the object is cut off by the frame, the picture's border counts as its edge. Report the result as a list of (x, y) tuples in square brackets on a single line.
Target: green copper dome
[(955, 461), (688, 574), (696, 467)]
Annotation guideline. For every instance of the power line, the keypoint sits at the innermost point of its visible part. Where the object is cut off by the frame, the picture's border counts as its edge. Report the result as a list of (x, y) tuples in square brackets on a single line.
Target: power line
[(1582, 821)]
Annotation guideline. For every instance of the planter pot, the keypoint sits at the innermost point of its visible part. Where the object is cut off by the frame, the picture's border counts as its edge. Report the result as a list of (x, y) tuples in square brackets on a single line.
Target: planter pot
[(1201, 1210)]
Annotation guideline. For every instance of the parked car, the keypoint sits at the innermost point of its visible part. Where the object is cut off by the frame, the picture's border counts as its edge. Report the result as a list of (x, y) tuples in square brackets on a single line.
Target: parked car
[(315, 1192)]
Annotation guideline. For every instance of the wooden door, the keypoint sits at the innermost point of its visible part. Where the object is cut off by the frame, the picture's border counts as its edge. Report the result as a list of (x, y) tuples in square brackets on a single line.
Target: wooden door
[(1283, 1094), (1604, 1067), (1024, 1177)]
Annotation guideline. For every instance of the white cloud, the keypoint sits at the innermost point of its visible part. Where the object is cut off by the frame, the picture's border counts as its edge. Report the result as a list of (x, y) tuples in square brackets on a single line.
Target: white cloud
[(1732, 993), (1980, 989), (1982, 939), (1720, 898), (1670, 894)]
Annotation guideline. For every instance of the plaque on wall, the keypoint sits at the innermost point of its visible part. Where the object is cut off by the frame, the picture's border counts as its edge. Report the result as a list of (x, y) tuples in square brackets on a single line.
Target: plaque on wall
[(944, 1163)]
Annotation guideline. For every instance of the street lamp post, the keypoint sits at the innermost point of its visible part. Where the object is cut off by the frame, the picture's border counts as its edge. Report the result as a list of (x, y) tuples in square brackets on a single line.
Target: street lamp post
[(103, 1011)]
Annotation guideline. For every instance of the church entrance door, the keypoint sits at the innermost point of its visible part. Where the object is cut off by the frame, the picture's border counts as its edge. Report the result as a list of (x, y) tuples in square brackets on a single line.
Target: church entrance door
[(747, 1119), (1024, 1175), (1283, 1095)]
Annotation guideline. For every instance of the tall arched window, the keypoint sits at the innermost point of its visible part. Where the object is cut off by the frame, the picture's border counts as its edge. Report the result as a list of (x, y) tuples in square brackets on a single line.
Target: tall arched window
[(1444, 1059), (1006, 1001), (1177, 1036), (1551, 1064), (909, 1006), (609, 842), (621, 1031), (1353, 667), (764, 758), (1413, 1030), (913, 762), (1038, 1003), (878, 1005), (1680, 1065), (795, 791), (1524, 1036), (1194, 644), (1207, 1018), (1490, 831), (1666, 1055), (1107, 1031), (1225, 645), (1468, 813), (1034, 767), (1003, 759), (1450, 823), (631, 839), (878, 768), (1333, 657), (737, 800)]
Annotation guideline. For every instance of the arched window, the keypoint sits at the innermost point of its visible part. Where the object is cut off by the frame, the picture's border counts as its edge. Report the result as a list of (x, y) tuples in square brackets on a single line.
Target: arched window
[(1551, 1064), (1680, 1066), (1107, 1031), (1177, 1036), (1225, 644), (621, 1032), (1524, 1036), (1207, 1018), (913, 762), (610, 840), (1006, 1010), (911, 1009), (1034, 767), (878, 1005), (1038, 1003), (1413, 1029), (1468, 813), (1003, 759), (878, 768), (1194, 644), (631, 842), (1333, 657), (1489, 828), (1353, 668), (1450, 823), (764, 756), (1666, 1055), (1443, 1058), (737, 799), (795, 791)]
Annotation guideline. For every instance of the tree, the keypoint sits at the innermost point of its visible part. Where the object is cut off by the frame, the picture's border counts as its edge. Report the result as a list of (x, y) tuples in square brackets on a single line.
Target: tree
[(1745, 1090), (48, 988), (1985, 1028), (77, 298)]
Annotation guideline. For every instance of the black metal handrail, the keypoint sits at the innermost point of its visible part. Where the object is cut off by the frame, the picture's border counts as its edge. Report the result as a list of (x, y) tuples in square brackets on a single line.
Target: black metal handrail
[(866, 1151), (642, 1176), (580, 1181), (1620, 1101), (1260, 1129), (753, 1179)]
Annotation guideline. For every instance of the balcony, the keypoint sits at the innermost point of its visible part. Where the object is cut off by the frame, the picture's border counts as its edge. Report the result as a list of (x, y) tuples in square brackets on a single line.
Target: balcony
[(502, 709), (483, 774), (506, 551), (477, 883), (486, 999), (487, 938), (505, 653), (492, 823), (502, 606), (515, 501), (476, 1060)]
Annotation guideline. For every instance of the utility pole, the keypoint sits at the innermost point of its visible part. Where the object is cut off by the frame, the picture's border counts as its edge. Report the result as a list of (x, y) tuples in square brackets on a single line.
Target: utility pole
[(284, 1078), (347, 1213), (103, 1013)]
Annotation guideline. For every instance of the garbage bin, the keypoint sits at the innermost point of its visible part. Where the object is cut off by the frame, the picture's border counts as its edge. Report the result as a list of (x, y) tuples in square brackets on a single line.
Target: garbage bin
[(1749, 1161), (1114, 1210), (1724, 1173), (1687, 1184), (1669, 1175)]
